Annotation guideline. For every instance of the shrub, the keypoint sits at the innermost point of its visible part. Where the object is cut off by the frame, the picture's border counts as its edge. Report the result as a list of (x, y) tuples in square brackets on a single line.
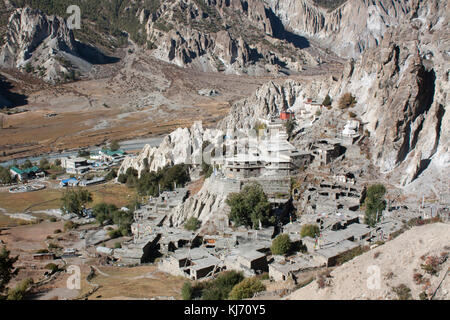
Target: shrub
[(310, 230), (431, 265), (52, 267), (70, 225), (423, 296), (53, 246), (114, 234), (281, 245), (187, 291), (53, 219), (403, 292), (220, 288), (117, 245), (349, 255), (347, 100), (18, 293), (418, 278), (327, 101), (246, 289), (323, 279), (57, 231), (192, 224)]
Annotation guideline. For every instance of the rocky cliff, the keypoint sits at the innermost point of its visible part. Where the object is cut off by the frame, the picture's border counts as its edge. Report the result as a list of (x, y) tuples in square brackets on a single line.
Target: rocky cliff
[(38, 43), (208, 36), (44, 45), (184, 145), (401, 87), (402, 93), (349, 29)]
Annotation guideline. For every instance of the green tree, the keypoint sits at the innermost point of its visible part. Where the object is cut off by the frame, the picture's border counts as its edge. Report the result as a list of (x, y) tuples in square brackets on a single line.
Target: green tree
[(114, 145), (7, 270), (290, 126), (220, 288), (281, 245), (310, 230), (192, 224), (375, 204), (104, 212), (246, 289), (44, 164), (5, 176), (250, 207), (74, 201), (27, 164), (327, 101)]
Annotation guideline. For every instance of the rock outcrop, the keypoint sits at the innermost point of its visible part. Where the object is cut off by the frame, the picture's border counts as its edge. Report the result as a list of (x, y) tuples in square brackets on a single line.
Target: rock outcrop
[(181, 146), (46, 47), (208, 36), (401, 87), (350, 28)]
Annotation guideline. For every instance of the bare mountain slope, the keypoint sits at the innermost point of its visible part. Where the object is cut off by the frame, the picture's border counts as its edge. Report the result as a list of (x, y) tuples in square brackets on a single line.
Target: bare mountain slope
[(397, 262)]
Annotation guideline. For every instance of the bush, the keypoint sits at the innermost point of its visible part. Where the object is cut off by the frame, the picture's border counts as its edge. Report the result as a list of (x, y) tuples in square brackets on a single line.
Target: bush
[(18, 293), (403, 292), (53, 219), (192, 224), (187, 291), (114, 234), (349, 255), (220, 288), (57, 231), (246, 289), (310, 230), (281, 245), (117, 245), (70, 225), (52, 267), (347, 100)]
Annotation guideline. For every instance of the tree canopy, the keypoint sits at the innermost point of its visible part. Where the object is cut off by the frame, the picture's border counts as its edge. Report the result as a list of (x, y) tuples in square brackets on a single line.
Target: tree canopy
[(281, 245), (310, 230), (7, 270), (74, 201), (250, 207), (375, 204)]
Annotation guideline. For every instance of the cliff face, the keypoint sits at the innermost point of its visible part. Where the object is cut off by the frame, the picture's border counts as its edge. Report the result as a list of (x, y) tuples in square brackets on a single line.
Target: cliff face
[(34, 40), (402, 93), (347, 30), (181, 146), (401, 87), (44, 46), (228, 36)]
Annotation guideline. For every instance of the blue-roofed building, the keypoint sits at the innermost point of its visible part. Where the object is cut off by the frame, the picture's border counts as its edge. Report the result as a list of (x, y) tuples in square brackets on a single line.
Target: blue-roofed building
[(26, 174), (72, 182)]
